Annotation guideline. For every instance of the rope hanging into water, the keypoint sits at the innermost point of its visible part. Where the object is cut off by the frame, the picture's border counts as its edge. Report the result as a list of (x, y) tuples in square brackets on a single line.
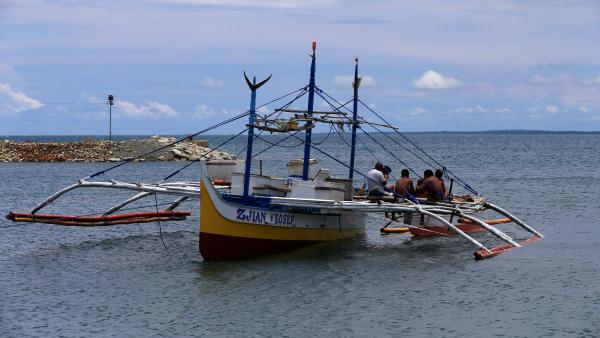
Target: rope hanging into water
[(159, 223)]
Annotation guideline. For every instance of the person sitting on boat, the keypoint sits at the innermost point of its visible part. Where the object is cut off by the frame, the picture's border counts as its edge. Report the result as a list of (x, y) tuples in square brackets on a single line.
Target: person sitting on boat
[(377, 179), (420, 191), (430, 187), (439, 174), (404, 186)]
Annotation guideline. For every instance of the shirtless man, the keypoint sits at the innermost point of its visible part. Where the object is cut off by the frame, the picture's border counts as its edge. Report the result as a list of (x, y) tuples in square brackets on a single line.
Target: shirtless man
[(440, 176), (430, 187), (404, 185)]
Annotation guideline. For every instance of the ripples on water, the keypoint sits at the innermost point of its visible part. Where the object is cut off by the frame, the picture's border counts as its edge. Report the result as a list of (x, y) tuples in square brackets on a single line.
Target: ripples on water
[(121, 281)]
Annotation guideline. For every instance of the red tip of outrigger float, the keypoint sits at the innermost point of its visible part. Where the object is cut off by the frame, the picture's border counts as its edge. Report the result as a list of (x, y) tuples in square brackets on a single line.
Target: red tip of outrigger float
[(483, 254)]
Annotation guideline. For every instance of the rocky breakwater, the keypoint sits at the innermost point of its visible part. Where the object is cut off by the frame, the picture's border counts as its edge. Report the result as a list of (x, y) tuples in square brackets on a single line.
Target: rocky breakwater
[(91, 150)]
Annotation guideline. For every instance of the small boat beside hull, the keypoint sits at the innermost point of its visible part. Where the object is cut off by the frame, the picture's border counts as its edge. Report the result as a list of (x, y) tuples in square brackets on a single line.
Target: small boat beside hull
[(466, 226), (232, 231), (444, 231)]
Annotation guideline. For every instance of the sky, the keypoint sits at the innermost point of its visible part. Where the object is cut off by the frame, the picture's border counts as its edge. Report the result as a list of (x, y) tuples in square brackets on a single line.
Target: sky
[(176, 66)]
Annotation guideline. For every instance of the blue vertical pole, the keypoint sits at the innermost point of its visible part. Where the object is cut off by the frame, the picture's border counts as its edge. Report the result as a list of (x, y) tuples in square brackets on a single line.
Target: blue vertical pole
[(311, 100), (355, 84), (250, 139)]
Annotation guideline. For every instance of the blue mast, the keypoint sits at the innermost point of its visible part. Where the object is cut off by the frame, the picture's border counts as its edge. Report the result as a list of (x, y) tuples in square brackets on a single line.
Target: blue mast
[(311, 100), (355, 84), (252, 113)]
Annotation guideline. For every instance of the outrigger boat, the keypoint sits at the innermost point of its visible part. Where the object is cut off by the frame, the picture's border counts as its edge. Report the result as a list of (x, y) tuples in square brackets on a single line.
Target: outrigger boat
[(244, 214)]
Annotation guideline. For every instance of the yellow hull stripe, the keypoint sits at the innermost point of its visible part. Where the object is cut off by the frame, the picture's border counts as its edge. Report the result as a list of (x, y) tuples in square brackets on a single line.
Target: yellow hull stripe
[(211, 221)]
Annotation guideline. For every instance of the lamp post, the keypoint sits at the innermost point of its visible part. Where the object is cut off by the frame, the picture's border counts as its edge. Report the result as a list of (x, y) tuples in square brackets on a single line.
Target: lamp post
[(110, 104)]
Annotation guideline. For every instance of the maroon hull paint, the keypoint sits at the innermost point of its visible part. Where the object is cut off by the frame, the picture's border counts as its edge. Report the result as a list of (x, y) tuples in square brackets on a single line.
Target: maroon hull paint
[(219, 247), (445, 231)]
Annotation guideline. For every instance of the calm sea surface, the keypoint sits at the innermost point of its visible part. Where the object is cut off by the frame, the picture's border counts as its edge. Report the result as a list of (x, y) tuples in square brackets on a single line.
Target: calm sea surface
[(122, 281)]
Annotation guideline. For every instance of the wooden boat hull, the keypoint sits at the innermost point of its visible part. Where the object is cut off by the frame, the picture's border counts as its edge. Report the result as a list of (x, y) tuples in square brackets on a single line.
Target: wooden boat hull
[(234, 231)]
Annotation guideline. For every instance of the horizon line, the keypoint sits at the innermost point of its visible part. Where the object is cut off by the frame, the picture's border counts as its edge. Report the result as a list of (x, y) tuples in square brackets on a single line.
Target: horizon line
[(490, 131)]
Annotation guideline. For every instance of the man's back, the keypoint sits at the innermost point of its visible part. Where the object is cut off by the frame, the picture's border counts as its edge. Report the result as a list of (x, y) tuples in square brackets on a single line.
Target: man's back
[(435, 188), (404, 186), (375, 180)]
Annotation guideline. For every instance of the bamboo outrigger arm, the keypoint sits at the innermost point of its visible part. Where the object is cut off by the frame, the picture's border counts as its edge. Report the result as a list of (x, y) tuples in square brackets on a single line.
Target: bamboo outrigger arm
[(177, 202), (454, 228), (54, 196), (514, 219), (175, 188), (141, 195), (489, 228), (132, 199), (434, 211)]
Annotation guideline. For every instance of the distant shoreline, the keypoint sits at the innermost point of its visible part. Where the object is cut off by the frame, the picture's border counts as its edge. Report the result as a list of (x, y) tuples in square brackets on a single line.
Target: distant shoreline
[(142, 136)]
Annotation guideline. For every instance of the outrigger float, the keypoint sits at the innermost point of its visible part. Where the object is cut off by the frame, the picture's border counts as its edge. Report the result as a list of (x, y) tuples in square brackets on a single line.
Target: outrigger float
[(244, 214)]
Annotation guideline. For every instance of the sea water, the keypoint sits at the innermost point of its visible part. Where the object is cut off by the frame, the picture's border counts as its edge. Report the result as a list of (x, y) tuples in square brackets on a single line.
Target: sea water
[(121, 280)]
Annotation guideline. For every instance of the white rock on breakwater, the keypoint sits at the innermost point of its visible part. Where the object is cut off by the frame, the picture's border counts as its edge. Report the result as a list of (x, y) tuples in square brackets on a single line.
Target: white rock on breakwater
[(91, 150)]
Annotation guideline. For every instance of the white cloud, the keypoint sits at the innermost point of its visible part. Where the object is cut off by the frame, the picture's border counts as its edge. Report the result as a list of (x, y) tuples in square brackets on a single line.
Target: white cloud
[(18, 101), (210, 83), (203, 111), (434, 80), (552, 109), (151, 109), (416, 111), (583, 109), (475, 109), (502, 110), (368, 82), (263, 110), (345, 81)]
